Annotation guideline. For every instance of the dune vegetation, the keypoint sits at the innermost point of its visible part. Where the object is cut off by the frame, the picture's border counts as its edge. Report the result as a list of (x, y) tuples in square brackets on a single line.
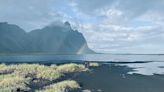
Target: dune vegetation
[(63, 86), (94, 64), (70, 68), (12, 82), (39, 78)]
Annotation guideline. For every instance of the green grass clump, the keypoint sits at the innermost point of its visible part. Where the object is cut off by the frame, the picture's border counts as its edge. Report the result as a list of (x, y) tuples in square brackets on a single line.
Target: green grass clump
[(94, 64), (38, 71), (30, 69), (4, 69), (69, 68), (64, 86), (10, 83), (50, 75), (35, 76), (2, 66), (53, 66)]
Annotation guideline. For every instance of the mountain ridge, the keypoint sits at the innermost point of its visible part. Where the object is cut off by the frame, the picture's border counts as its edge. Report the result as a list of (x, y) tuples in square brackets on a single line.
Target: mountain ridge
[(57, 39)]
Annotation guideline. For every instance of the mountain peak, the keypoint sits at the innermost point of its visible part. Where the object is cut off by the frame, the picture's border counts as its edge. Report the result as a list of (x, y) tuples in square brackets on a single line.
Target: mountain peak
[(6, 27), (67, 23), (58, 39), (3, 23), (63, 26)]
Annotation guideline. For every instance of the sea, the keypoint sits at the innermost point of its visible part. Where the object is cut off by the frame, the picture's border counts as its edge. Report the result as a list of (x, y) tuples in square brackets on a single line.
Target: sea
[(53, 58)]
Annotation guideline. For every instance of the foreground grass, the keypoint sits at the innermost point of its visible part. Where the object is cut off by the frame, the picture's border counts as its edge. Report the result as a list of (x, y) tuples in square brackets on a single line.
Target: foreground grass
[(12, 82), (70, 68), (94, 64), (40, 78), (63, 86)]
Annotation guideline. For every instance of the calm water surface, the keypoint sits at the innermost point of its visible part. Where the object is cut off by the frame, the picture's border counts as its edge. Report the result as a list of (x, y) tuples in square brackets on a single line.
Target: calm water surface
[(88, 57)]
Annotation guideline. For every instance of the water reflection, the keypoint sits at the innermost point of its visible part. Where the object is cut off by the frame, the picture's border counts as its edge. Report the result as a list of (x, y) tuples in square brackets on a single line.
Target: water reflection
[(150, 68)]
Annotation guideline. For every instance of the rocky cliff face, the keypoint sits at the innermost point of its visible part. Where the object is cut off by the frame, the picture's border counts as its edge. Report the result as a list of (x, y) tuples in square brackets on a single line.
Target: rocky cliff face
[(56, 38)]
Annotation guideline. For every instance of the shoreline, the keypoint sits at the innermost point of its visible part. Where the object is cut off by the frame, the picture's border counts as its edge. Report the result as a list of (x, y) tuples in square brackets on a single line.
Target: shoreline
[(78, 78)]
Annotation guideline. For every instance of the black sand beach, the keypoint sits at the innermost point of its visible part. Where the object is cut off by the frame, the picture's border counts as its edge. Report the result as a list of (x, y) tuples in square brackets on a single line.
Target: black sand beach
[(115, 78)]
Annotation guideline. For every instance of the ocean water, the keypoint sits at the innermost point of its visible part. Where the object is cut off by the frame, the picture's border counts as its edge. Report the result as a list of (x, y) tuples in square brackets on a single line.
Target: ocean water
[(87, 57)]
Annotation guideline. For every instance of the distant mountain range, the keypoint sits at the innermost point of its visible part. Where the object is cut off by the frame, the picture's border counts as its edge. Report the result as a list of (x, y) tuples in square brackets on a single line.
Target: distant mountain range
[(57, 38)]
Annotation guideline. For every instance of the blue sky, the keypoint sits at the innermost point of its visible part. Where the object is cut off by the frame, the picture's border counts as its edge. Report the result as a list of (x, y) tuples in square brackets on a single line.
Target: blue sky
[(110, 26)]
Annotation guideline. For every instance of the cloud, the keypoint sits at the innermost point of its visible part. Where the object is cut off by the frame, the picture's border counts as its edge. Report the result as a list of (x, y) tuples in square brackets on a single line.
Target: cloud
[(123, 25), (113, 26), (23, 12), (90, 6), (30, 14), (118, 10), (114, 39)]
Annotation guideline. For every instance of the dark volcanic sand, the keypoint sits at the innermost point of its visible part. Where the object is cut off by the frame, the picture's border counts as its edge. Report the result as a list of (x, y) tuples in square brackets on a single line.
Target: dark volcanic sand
[(115, 78)]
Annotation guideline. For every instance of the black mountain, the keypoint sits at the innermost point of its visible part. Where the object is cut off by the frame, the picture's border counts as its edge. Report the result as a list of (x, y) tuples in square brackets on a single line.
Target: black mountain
[(56, 38)]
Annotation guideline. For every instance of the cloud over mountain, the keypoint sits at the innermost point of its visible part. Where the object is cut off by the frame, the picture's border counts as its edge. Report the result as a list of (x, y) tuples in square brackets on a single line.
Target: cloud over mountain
[(108, 25)]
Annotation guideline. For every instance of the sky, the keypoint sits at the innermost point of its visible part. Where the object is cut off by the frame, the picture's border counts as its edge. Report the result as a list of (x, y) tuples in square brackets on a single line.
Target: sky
[(109, 26)]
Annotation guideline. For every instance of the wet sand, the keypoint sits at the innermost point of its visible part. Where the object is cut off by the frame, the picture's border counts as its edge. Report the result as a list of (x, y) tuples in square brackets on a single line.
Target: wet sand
[(116, 78)]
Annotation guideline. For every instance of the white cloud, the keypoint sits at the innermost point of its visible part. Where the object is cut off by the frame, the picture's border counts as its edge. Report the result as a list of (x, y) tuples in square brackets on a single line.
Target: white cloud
[(31, 14), (108, 25)]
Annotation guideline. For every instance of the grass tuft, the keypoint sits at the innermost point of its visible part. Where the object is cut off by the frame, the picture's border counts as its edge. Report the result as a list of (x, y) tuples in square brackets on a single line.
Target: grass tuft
[(94, 64), (10, 83), (64, 86), (70, 68), (50, 75), (31, 77)]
